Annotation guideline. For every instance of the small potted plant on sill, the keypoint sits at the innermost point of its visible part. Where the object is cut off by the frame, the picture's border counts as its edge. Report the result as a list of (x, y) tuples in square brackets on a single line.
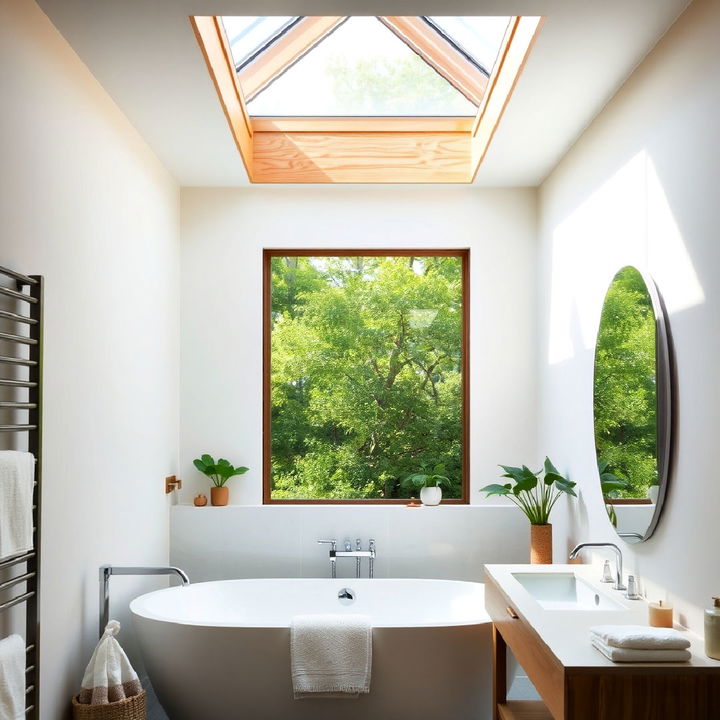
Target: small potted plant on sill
[(219, 473), (429, 483), (536, 497)]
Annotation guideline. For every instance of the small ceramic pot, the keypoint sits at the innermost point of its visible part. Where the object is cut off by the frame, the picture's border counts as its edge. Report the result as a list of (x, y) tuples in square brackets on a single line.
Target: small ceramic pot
[(431, 495), (200, 501), (219, 495)]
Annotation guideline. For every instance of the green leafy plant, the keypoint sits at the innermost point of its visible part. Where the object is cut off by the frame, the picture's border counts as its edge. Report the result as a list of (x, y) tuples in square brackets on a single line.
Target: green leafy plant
[(427, 478), (534, 495), (610, 484), (219, 472)]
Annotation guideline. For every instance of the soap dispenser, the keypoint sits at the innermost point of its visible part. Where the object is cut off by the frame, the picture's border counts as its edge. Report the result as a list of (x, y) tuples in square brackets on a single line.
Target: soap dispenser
[(712, 630)]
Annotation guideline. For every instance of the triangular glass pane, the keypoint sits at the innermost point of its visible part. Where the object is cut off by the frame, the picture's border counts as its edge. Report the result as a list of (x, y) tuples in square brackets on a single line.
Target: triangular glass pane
[(478, 37), (247, 35), (361, 69)]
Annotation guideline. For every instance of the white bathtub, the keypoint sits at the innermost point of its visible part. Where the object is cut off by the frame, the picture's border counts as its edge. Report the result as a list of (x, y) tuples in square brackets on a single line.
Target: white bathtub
[(221, 650)]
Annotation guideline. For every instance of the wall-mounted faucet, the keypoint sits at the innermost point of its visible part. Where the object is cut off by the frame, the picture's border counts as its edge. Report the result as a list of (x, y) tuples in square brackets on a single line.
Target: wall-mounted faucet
[(618, 560), (358, 554)]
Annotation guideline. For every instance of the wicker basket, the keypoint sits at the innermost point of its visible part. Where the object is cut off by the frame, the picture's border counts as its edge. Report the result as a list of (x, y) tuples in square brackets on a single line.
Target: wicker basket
[(132, 708)]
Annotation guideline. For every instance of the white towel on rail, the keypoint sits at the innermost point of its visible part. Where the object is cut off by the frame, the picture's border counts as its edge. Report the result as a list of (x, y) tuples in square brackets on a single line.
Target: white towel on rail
[(331, 655), (12, 678), (17, 479)]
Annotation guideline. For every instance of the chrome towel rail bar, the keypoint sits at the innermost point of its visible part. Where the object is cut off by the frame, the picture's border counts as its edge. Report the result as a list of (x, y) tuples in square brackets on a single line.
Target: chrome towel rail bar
[(18, 295), (22, 279), (25, 352)]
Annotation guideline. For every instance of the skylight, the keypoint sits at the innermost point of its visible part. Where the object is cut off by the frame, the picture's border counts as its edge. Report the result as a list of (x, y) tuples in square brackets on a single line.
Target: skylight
[(361, 69), (386, 99), (248, 36), (479, 37)]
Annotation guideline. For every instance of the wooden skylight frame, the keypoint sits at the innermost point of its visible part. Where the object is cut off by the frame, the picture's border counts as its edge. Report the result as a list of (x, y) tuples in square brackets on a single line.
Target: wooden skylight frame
[(361, 149)]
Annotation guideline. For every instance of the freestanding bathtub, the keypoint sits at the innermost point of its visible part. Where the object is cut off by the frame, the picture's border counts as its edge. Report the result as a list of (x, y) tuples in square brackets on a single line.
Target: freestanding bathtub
[(221, 650)]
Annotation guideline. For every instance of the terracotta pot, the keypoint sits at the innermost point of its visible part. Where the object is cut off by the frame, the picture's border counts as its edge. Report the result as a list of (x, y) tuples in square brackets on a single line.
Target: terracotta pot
[(200, 501), (219, 495), (541, 544)]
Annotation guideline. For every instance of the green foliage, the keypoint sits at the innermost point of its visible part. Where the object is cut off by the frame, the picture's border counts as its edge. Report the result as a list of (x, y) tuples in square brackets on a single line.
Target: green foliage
[(534, 495), (610, 484), (366, 374), (625, 398), (425, 478), (219, 472), (406, 86)]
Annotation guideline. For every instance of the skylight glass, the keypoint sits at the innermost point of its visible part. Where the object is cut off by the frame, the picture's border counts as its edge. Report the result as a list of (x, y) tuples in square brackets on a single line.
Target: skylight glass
[(247, 35), (360, 69), (478, 37)]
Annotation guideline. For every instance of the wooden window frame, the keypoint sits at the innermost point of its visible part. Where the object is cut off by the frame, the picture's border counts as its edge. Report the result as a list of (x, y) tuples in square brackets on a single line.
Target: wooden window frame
[(364, 150), (298, 40), (444, 58), (268, 254)]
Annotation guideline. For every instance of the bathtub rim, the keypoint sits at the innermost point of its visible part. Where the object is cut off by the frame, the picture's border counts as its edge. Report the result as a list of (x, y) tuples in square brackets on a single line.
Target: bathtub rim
[(481, 617)]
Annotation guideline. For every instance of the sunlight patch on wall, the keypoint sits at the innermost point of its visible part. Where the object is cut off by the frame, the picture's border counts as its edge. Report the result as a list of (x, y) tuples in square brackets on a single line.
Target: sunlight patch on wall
[(668, 258), (626, 221)]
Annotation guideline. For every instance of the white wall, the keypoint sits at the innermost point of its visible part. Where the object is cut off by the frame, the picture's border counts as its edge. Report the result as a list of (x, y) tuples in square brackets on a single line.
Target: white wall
[(223, 234), (640, 187), (85, 203)]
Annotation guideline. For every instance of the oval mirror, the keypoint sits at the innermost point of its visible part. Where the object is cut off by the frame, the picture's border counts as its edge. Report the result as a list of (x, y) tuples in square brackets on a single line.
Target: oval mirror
[(632, 404)]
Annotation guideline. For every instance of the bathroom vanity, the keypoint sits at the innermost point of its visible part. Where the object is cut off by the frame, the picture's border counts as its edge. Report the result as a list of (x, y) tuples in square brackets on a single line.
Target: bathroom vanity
[(543, 614)]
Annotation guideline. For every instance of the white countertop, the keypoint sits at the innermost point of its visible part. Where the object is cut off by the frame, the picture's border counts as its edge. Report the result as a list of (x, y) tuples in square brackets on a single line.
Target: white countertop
[(567, 632)]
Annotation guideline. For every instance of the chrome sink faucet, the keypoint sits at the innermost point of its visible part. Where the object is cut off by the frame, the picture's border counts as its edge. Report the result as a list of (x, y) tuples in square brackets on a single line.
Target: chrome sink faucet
[(618, 560), (348, 552)]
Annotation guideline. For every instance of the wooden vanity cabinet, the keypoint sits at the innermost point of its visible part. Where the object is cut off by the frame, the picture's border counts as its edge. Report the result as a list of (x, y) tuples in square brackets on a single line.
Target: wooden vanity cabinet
[(618, 692)]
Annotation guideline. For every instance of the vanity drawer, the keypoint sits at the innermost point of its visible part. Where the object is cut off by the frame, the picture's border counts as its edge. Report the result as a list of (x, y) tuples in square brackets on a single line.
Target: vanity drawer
[(538, 661)]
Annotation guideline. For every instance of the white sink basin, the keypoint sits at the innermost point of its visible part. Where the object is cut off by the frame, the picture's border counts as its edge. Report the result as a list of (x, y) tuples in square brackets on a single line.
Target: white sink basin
[(565, 591)]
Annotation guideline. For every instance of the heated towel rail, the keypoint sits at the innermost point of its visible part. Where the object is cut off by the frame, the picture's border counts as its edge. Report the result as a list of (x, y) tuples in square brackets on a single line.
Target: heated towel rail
[(21, 316)]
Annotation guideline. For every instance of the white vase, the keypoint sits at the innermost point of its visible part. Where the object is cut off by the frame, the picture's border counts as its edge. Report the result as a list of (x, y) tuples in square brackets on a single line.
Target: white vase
[(653, 491), (431, 495)]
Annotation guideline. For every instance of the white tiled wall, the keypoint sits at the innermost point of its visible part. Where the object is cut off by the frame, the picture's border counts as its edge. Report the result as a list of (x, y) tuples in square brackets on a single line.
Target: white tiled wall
[(449, 542)]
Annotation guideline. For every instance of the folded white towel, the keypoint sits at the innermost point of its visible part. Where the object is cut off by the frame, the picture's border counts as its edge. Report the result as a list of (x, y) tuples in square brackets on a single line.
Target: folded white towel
[(331, 655), (17, 479), (640, 637), (617, 654), (12, 678)]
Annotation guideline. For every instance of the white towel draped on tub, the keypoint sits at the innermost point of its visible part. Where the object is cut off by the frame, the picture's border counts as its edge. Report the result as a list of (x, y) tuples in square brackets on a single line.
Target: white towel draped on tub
[(12, 678), (331, 655), (17, 479)]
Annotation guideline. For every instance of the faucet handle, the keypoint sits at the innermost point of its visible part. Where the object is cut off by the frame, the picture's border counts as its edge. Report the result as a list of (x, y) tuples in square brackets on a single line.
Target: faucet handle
[(329, 542)]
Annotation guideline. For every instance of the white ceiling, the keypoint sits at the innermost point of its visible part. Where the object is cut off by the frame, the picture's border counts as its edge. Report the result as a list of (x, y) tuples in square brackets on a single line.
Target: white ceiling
[(145, 55)]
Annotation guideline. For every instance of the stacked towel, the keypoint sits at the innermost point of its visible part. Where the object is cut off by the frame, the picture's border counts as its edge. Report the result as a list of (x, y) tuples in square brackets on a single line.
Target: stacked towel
[(12, 678), (638, 643), (17, 479), (331, 655)]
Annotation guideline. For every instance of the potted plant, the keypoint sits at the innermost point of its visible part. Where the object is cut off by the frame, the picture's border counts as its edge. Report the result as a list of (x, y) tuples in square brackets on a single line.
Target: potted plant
[(219, 473), (429, 483), (535, 496)]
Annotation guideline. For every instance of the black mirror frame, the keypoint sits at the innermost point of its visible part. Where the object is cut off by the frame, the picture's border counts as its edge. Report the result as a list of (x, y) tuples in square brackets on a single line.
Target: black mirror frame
[(665, 386)]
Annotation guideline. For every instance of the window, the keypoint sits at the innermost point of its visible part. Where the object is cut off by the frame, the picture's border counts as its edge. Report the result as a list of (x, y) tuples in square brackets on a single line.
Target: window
[(361, 69), (379, 99), (365, 373)]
